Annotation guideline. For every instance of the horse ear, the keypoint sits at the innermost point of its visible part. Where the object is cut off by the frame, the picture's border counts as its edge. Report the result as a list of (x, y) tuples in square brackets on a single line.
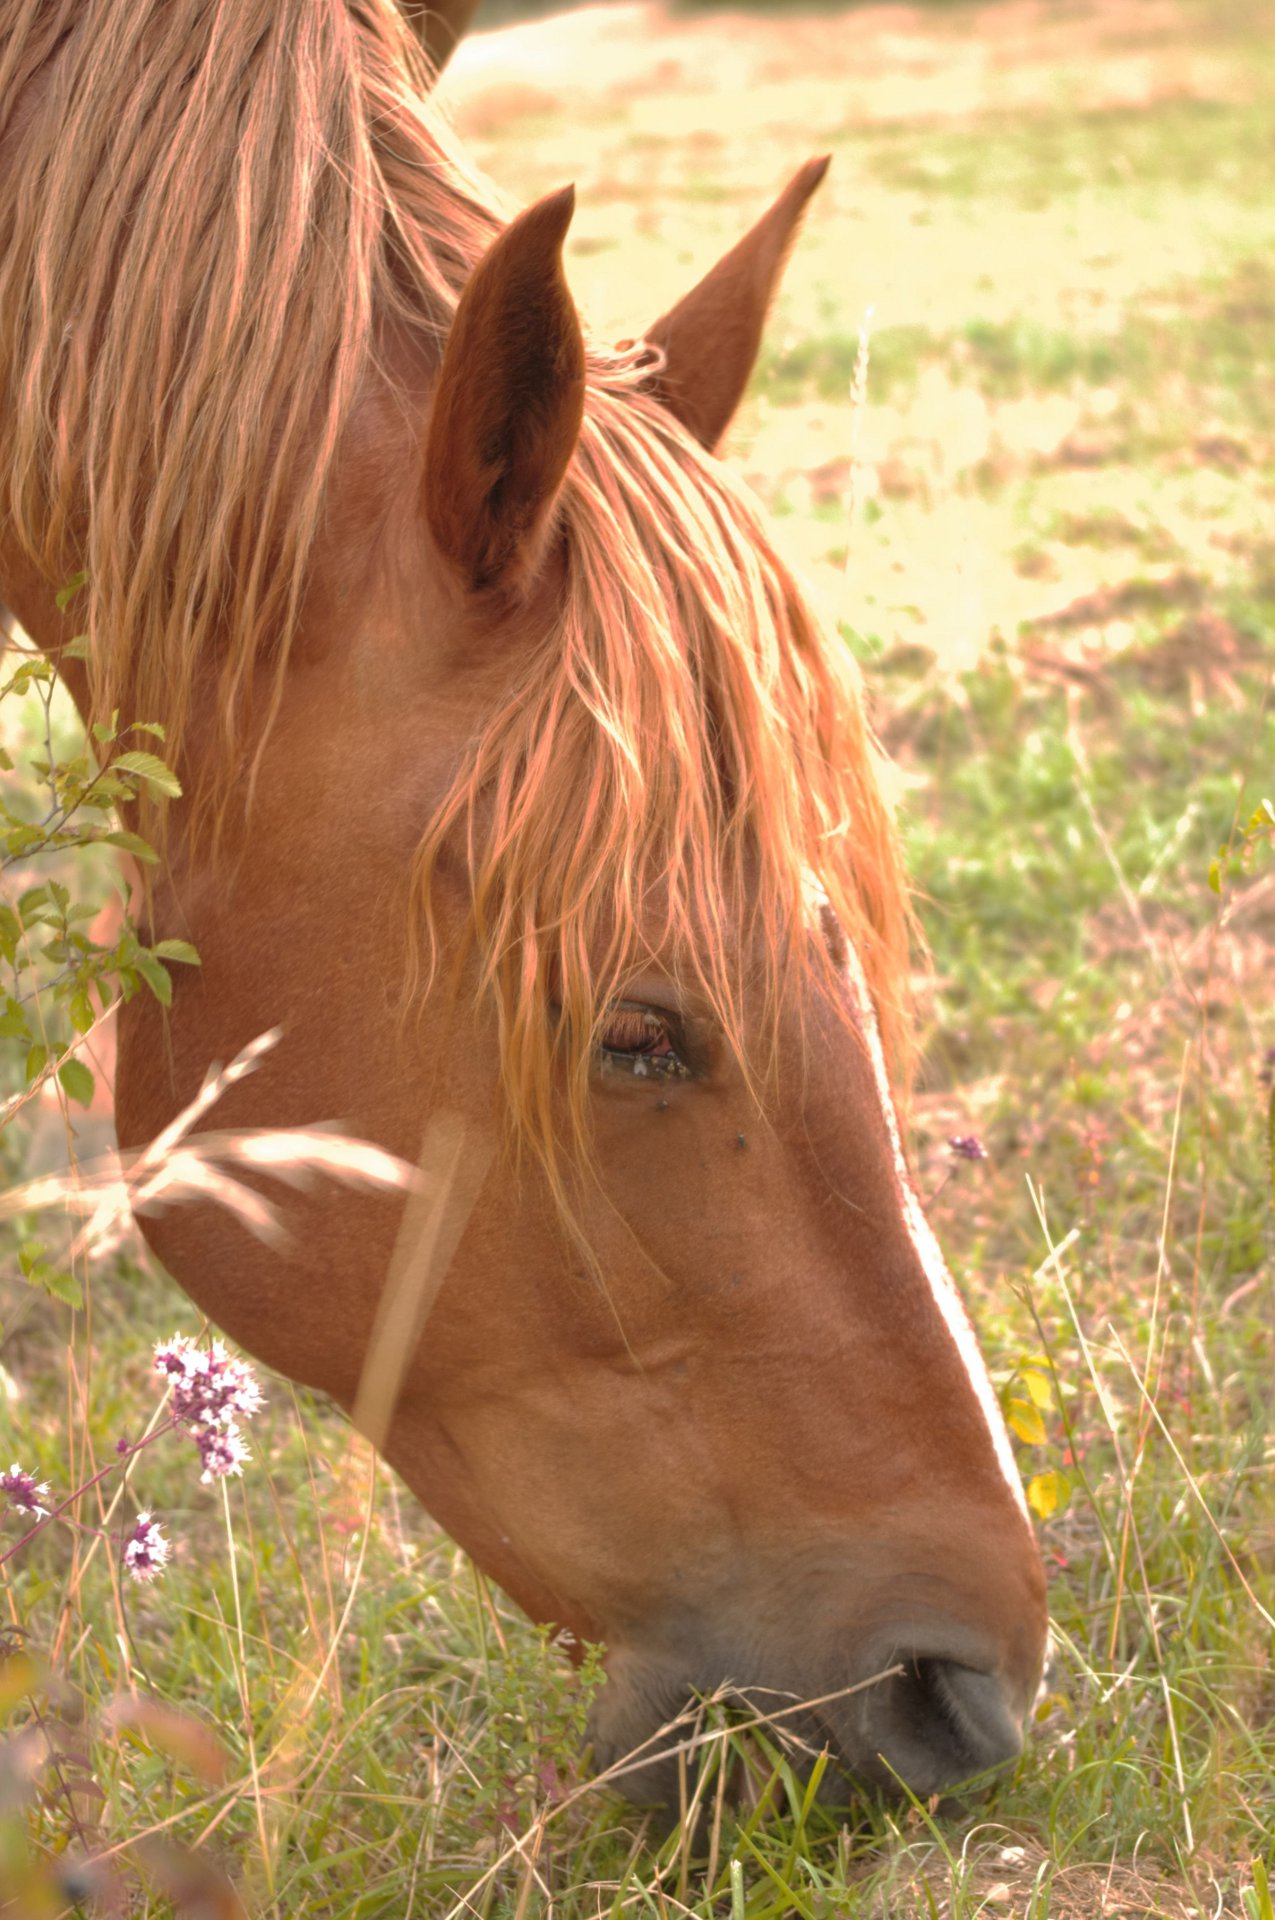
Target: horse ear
[(710, 338), (507, 405)]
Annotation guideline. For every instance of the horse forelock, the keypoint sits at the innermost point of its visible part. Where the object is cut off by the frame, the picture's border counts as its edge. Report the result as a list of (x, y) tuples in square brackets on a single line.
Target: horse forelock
[(216, 205), (667, 780)]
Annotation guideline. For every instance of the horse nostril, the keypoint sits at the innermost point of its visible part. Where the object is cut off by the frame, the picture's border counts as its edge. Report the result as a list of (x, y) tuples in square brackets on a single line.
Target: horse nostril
[(938, 1723)]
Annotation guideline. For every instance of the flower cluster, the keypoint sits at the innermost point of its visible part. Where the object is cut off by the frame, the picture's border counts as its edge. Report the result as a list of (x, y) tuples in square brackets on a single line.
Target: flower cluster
[(967, 1146), (145, 1551), (23, 1490), (211, 1393)]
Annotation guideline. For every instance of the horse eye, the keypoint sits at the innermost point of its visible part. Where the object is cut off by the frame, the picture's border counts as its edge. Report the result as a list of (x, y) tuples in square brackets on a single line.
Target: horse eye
[(640, 1039)]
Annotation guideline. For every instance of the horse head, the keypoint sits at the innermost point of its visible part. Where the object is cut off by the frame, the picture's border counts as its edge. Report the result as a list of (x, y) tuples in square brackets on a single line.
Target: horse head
[(529, 801)]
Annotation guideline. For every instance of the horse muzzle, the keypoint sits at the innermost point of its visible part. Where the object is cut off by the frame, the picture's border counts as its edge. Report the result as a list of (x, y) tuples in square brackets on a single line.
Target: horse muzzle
[(916, 1722), (929, 1725)]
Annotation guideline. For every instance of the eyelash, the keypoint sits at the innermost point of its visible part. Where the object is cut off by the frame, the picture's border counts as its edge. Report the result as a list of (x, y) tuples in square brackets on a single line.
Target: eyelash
[(647, 1049)]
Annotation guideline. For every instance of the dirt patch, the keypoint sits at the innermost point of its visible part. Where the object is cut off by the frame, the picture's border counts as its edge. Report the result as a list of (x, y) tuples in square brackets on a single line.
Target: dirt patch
[(1002, 1881)]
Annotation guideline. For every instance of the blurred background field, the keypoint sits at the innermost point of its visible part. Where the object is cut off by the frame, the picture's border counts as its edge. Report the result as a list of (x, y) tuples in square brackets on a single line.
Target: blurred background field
[(1048, 531)]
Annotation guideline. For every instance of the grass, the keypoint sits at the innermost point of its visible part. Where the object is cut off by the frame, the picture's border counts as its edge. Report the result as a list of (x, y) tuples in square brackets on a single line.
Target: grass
[(1062, 587)]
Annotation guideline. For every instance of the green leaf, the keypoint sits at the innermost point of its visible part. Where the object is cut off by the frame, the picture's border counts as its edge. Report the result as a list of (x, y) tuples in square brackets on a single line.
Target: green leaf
[(37, 1060), (77, 649), (1215, 875), (150, 768), (1025, 1421), (156, 978), (41, 1272), (20, 840), (131, 843), (177, 950), (80, 1008), (30, 901), (107, 788), (69, 591), (77, 1081), (33, 669), (60, 1284), (149, 726), (13, 1022)]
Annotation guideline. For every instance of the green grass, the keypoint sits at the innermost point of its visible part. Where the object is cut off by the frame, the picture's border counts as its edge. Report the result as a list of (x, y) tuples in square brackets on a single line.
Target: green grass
[(1183, 147), (394, 1739), (1205, 344)]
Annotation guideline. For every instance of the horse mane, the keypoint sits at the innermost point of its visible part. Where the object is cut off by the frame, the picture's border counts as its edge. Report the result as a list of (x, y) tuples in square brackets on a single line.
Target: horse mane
[(217, 201), (218, 204)]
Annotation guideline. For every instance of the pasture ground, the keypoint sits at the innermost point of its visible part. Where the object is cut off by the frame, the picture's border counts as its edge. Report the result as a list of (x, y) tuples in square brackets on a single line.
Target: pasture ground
[(1049, 533)]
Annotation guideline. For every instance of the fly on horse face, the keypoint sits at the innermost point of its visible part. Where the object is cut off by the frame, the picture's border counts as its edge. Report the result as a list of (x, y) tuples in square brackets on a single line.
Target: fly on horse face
[(526, 799)]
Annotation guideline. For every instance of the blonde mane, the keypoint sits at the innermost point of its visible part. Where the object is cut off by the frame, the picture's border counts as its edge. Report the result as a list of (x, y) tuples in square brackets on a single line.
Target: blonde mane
[(215, 205)]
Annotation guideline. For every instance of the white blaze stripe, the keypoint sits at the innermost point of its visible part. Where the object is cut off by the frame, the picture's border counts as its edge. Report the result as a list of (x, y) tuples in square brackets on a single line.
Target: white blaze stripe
[(927, 1247)]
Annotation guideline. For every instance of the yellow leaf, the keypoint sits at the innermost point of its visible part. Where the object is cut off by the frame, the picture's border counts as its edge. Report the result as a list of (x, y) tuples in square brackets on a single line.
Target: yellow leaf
[(1026, 1422), (1047, 1493), (18, 1677), (1041, 1389)]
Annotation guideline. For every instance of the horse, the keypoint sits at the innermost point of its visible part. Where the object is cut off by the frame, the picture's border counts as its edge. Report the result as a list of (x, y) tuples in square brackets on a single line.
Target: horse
[(440, 27), (527, 799)]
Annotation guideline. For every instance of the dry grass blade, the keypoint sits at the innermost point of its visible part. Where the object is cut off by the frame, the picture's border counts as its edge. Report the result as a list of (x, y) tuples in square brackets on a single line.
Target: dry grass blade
[(179, 1166), (1192, 1484), (216, 1081), (449, 1174)]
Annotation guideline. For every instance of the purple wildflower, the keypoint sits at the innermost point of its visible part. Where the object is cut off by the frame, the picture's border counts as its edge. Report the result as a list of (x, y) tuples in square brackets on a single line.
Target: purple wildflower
[(145, 1551), (24, 1490), (209, 1388), (967, 1146), (210, 1392), (222, 1451)]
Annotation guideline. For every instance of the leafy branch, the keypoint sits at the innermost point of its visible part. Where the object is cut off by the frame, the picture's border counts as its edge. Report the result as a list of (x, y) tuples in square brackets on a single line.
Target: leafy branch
[(58, 979), (61, 974)]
